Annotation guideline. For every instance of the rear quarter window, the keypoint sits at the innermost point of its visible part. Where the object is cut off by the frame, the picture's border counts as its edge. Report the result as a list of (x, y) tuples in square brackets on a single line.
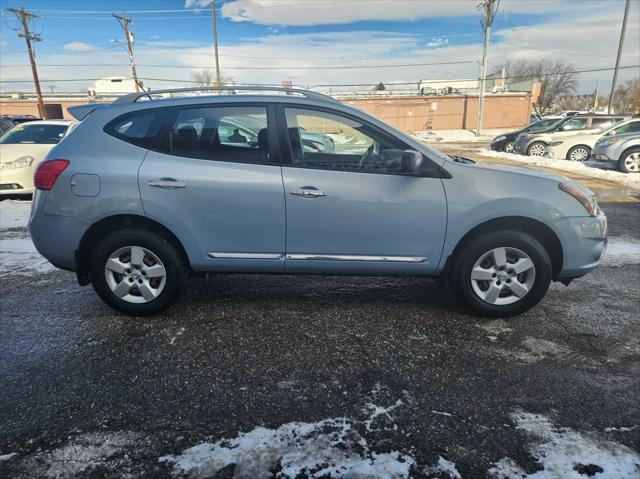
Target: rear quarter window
[(139, 128)]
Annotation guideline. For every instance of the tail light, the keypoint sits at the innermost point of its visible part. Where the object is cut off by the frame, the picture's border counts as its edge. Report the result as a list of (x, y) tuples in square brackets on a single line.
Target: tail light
[(48, 172)]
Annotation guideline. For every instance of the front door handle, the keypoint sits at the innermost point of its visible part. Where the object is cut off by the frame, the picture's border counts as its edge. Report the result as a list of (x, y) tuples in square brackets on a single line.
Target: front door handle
[(167, 183), (308, 192)]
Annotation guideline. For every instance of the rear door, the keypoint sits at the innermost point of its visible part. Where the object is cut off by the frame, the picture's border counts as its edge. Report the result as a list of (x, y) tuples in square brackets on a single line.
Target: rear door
[(350, 209), (213, 177)]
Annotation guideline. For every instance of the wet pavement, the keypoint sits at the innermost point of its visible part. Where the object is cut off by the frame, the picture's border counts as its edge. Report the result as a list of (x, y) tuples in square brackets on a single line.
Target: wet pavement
[(323, 377)]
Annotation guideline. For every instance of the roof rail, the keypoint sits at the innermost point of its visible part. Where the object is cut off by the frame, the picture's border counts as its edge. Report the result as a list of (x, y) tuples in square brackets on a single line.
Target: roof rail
[(311, 95)]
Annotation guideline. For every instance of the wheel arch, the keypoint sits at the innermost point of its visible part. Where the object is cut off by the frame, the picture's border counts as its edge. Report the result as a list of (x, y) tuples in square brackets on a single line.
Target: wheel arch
[(111, 223), (627, 150), (540, 231), (587, 147)]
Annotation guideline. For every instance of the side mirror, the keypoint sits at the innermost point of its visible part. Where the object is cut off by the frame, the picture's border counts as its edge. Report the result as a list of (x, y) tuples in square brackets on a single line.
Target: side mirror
[(411, 162)]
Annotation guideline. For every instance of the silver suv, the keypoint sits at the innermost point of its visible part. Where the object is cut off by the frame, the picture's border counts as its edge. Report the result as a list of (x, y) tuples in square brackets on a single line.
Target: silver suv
[(143, 193)]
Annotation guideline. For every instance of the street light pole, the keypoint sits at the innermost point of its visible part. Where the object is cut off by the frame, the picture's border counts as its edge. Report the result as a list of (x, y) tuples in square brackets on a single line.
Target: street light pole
[(615, 72)]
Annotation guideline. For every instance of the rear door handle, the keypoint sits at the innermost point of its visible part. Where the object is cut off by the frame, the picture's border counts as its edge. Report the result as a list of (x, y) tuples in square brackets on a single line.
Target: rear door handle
[(308, 192), (167, 183)]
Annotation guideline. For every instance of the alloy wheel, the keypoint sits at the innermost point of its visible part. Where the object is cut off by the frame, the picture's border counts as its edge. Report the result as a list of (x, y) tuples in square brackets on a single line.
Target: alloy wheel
[(503, 276), (135, 274), (579, 154), (537, 149), (508, 147), (632, 161)]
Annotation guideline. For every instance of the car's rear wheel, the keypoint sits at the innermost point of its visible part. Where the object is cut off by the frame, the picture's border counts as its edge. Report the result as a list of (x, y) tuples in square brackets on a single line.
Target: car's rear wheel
[(508, 147), (501, 274), (630, 161), (137, 272), (537, 148), (579, 153)]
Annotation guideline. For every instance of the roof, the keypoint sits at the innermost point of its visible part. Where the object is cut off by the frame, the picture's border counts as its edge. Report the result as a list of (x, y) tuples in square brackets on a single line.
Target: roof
[(48, 122)]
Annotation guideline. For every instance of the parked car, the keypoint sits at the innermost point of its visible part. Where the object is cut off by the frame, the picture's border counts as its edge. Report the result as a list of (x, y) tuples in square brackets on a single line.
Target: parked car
[(624, 149), (578, 147), (505, 142), (535, 144), (134, 205), (18, 119), (21, 150)]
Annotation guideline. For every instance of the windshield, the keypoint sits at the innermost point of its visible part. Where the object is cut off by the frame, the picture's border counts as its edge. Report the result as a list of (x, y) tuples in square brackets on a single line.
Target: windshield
[(542, 125), (38, 134)]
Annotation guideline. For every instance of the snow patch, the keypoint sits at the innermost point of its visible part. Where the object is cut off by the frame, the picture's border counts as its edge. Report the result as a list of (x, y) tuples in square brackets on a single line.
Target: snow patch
[(453, 136), (622, 251), (630, 180), (328, 448), (14, 214), (444, 467), (565, 453), (8, 457)]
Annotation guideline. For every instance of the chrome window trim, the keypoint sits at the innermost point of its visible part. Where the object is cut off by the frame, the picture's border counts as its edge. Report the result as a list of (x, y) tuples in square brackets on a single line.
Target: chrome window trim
[(352, 257), (218, 255)]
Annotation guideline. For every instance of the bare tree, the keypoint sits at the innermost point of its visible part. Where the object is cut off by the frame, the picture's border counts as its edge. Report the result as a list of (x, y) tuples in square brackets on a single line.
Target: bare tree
[(626, 97), (557, 79), (208, 78)]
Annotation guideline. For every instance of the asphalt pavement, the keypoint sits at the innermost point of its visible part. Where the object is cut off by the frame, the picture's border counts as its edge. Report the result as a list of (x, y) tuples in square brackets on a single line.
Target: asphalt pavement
[(276, 376)]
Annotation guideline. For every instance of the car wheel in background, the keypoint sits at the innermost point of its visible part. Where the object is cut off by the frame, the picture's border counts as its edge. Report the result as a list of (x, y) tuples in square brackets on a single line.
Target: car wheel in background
[(579, 153), (508, 147), (137, 271), (537, 148), (630, 161), (501, 274)]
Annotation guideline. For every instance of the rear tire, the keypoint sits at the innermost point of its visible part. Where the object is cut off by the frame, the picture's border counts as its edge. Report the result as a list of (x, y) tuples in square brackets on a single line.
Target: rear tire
[(137, 271), (630, 161), (521, 251)]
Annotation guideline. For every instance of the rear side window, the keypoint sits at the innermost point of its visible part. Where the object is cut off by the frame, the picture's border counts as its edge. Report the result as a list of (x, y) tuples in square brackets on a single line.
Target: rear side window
[(139, 128)]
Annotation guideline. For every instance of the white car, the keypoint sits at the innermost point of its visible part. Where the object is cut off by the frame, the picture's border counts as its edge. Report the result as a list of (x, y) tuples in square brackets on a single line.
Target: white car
[(578, 147), (22, 148)]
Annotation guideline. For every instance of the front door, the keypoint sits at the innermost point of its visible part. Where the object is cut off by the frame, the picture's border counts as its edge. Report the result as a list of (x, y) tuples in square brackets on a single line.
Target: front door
[(350, 209), (216, 183)]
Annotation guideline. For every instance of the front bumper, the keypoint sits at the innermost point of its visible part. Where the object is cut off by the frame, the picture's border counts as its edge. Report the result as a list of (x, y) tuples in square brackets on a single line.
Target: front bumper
[(584, 242), (556, 152), (16, 181), (520, 146)]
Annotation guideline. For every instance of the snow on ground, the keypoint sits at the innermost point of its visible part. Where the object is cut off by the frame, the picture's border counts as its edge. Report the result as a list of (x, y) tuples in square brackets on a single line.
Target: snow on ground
[(8, 457), (453, 136), (567, 454), (622, 251), (17, 252), (630, 180)]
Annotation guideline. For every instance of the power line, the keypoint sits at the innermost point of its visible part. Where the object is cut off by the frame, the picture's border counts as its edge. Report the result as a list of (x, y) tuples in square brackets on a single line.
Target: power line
[(128, 37)]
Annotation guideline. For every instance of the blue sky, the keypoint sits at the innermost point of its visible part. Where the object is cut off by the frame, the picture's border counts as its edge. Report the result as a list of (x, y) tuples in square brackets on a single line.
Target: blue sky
[(311, 41)]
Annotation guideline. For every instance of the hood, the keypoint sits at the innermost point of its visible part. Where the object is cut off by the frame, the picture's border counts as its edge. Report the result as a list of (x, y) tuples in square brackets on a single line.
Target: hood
[(12, 152)]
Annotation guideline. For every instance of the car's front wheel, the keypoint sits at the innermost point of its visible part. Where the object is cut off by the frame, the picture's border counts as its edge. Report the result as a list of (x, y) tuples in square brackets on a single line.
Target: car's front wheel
[(578, 153), (537, 148), (501, 274), (137, 271), (508, 147), (630, 161)]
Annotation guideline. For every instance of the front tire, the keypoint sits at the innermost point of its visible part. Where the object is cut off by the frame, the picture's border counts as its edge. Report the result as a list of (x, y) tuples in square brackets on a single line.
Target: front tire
[(630, 161), (508, 147), (137, 271), (537, 148), (579, 153), (501, 274)]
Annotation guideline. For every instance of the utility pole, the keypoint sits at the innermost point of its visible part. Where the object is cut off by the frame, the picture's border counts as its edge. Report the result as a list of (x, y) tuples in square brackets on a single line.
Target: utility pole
[(24, 18), (615, 72), (125, 22), (215, 40), (490, 7)]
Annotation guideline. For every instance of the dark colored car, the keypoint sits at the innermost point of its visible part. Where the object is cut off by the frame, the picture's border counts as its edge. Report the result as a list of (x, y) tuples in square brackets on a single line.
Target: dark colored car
[(17, 119), (505, 142), (5, 125)]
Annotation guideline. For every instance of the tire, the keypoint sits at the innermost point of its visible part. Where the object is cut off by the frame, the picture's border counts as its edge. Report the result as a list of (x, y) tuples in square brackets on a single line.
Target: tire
[(579, 153), (517, 245), (537, 148), (140, 250), (629, 161), (508, 147)]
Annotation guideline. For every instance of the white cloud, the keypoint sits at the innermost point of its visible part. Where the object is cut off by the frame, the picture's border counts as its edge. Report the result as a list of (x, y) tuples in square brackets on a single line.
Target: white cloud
[(196, 3), (304, 13), (78, 47), (437, 42)]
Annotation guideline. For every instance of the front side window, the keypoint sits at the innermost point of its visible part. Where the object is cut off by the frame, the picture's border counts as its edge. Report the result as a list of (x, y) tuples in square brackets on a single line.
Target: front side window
[(541, 125), (631, 127), (139, 128), (221, 133), (333, 142), (38, 134)]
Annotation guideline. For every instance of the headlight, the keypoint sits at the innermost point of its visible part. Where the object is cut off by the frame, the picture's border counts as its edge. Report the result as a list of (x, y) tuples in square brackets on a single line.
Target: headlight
[(584, 200), (500, 138), (608, 142), (21, 162)]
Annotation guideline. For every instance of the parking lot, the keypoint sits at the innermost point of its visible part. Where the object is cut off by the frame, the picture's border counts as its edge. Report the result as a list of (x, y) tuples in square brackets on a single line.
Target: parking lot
[(274, 376)]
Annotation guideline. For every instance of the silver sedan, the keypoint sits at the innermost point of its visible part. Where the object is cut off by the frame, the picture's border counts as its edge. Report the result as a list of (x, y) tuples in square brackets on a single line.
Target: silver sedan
[(622, 149)]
